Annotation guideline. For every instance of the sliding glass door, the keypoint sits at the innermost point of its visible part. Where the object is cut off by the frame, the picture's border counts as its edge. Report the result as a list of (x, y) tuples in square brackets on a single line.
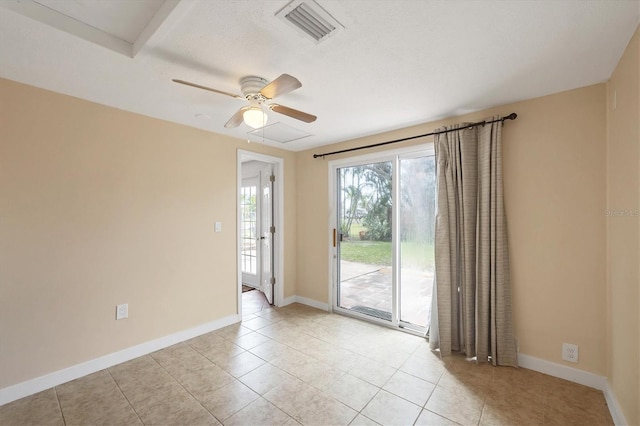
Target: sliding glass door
[(365, 234), (385, 210), (416, 223)]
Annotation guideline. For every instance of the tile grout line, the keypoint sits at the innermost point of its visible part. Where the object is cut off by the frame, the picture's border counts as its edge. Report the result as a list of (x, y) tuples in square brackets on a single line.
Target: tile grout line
[(125, 396), (369, 402), (212, 361), (185, 389), (237, 379), (485, 396), (396, 369), (381, 388), (55, 391), (262, 396), (297, 378), (234, 378)]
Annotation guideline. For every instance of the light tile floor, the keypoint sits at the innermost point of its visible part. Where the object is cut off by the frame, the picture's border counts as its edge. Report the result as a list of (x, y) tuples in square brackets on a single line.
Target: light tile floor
[(298, 365)]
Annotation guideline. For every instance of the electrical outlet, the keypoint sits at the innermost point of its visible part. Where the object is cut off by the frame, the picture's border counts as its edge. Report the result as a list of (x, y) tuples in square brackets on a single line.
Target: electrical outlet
[(570, 352), (122, 311)]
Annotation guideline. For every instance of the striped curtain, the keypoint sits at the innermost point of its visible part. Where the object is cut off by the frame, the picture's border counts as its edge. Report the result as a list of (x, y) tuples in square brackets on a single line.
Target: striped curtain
[(471, 310)]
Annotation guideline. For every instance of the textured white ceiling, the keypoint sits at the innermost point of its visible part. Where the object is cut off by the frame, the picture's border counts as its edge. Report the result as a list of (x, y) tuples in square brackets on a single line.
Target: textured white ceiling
[(397, 62)]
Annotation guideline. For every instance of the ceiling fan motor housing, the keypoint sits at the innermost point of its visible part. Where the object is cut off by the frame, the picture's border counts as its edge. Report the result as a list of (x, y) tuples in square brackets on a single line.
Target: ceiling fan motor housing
[(251, 86)]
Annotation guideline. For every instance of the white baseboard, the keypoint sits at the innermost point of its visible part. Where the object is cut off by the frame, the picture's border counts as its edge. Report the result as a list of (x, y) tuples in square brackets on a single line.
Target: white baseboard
[(305, 301), (289, 300), (562, 371), (614, 407), (30, 387), (577, 376)]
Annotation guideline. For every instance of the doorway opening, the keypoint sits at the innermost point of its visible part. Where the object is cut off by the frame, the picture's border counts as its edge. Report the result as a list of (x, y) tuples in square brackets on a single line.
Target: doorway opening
[(383, 221), (253, 301), (260, 226)]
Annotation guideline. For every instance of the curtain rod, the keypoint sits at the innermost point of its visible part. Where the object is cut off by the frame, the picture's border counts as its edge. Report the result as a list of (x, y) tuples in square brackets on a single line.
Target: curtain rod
[(511, 116)]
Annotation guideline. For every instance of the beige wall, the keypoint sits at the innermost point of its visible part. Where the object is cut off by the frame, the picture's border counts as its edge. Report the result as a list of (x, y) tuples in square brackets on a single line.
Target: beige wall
[(98, 207), (623, 230), (554, 171)]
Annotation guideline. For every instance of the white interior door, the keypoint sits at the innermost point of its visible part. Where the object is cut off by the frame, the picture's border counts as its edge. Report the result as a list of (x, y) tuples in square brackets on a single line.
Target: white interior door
[(251, 164), (250, 231), (267, 233)]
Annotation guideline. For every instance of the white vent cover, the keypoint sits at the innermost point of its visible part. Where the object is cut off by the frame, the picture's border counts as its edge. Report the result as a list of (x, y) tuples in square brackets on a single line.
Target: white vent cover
[(310, 19)]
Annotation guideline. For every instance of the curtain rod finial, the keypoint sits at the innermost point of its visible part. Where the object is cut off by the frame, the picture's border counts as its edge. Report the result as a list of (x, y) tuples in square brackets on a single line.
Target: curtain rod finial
[(511, 116)]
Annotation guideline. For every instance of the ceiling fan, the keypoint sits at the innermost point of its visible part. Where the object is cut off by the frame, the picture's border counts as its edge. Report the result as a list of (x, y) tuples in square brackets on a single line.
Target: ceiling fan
[(258, 91)]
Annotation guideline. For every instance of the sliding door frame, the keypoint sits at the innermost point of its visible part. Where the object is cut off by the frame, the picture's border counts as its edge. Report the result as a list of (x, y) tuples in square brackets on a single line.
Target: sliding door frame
[(380, 156)]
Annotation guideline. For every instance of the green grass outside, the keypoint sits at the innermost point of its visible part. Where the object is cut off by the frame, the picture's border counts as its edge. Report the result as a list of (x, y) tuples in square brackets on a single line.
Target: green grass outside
[(354, 232), (369, 252), (414, 255)]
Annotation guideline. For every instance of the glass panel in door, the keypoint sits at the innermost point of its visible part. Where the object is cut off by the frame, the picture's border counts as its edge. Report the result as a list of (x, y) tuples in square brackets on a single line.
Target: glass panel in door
[(365, 282), (249, 231), (417, 227)]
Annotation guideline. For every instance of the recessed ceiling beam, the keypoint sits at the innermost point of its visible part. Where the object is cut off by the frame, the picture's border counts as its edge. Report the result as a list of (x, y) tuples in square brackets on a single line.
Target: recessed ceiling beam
[(169, 14)]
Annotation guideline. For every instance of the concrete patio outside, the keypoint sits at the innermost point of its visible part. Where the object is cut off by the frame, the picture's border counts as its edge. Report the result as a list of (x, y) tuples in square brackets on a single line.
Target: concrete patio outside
[(368, 288)]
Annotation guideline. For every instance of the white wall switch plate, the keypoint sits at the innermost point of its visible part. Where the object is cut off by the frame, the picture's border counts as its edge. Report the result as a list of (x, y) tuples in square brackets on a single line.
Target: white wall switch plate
[(122, 311), (218, 227)]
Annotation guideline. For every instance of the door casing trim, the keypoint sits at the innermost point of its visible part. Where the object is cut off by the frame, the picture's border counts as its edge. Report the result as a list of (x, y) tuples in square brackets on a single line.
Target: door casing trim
[(278, 201)]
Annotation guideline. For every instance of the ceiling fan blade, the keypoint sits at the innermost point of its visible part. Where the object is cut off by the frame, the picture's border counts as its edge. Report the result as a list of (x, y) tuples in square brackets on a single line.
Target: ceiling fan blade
[(281, 85), (236, 119), (293, 113), (207, 88)]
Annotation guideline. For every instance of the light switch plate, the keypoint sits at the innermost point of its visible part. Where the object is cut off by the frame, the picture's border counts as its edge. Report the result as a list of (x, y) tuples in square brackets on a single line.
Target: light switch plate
[(218, 227)]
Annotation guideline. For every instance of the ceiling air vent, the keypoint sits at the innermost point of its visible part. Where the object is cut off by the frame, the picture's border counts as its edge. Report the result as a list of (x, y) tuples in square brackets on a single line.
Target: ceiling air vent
[(310, 19)]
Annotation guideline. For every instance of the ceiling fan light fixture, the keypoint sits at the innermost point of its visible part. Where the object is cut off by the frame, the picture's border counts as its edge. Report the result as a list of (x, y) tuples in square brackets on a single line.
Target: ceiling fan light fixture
[(255, 117)]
